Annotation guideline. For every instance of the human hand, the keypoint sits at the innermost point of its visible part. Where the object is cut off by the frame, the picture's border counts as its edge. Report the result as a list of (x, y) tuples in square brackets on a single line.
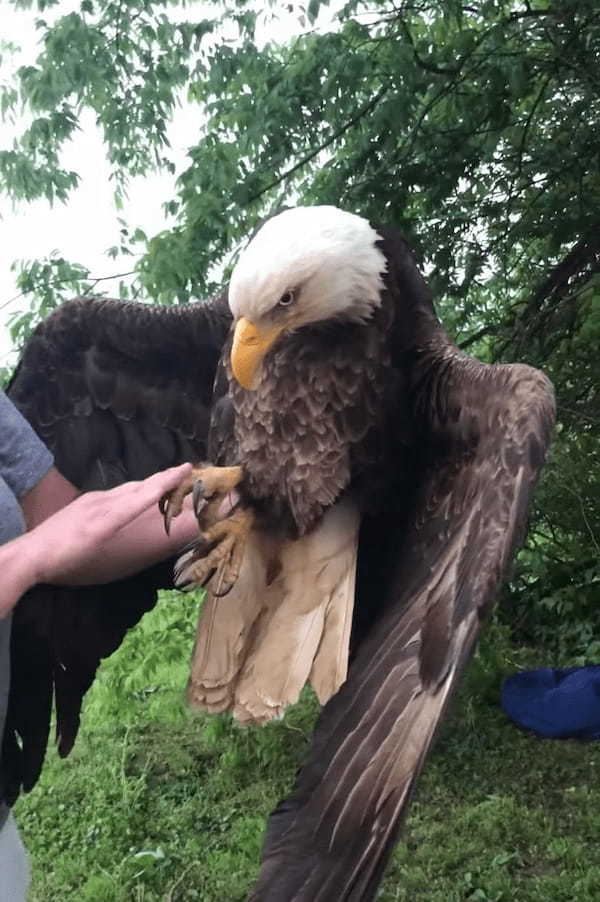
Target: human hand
[(65, 542), (98, 537)]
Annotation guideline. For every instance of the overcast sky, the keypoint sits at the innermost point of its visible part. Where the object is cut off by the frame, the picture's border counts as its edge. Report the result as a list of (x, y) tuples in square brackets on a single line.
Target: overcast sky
[(84, 228)]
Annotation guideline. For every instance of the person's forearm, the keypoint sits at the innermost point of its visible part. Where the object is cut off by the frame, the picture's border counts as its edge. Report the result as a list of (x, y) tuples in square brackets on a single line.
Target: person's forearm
[(18, 571), (135, 547), (51, 494), (97, 538)]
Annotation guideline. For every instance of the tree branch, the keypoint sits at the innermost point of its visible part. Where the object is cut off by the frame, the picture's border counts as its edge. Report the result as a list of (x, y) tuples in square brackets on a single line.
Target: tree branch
[(475, 336), (585, 253), (428, 67), (92, 279), (310, 156)]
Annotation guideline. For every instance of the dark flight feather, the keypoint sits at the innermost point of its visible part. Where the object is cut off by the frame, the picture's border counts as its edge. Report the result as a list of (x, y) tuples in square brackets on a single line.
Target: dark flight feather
[(117, 391)]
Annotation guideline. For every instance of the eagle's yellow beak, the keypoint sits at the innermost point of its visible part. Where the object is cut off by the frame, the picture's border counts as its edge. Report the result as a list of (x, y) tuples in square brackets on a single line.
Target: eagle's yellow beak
[(250, 345)]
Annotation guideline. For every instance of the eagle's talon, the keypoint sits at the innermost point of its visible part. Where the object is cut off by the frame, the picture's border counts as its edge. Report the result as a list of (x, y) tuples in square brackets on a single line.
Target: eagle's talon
[(223, 592), (209, 577), (171, 503), (205, 483), (166, 513), (165, 507), (199, 498), (217, 555)]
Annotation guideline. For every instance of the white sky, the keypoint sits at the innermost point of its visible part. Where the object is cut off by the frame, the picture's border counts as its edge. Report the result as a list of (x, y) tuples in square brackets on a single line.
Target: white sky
[(84, 228)]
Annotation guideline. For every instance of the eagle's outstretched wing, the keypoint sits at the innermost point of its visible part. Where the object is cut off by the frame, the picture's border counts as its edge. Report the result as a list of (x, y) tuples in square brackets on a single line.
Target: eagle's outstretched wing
[(117, 391), (431, 566)]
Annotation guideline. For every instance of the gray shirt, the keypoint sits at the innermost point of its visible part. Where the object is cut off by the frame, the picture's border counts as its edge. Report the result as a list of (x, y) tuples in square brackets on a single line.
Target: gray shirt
[(24, 459)]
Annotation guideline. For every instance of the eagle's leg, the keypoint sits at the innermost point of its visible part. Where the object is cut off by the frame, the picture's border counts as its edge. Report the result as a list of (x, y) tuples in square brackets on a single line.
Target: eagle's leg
[(206, 483), (219, 554)]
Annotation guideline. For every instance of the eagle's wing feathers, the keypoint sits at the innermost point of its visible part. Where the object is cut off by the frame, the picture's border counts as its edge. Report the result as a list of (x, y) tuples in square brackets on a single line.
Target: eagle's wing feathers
[(117, 391), (487, 432)]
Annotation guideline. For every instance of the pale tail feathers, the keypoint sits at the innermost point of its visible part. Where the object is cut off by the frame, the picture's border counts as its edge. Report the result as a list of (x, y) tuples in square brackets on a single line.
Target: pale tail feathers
[(258, 646), (223, 633), (330, 665)]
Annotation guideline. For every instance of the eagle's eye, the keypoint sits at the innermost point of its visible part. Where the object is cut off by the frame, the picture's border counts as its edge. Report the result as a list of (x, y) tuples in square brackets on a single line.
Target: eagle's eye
[(287, 298)]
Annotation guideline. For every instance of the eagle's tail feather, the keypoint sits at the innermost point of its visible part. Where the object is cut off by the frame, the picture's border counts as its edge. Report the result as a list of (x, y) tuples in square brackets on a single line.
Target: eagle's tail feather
[(305, 633), (222, 637), (258, 646)]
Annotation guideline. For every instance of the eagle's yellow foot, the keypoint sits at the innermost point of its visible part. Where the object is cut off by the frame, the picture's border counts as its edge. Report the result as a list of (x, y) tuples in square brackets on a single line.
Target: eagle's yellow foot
[(206, 483), (219, 554)]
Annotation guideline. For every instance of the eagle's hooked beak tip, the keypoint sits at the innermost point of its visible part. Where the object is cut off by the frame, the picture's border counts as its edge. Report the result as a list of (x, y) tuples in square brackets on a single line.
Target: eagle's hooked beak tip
[(250, 344)]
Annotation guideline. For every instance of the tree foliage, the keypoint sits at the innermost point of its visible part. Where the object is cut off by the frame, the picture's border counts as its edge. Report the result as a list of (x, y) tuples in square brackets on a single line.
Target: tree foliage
[(474, 127)]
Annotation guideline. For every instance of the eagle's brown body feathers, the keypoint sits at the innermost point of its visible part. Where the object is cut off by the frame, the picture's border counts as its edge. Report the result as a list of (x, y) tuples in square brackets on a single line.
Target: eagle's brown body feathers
[(315, 424)]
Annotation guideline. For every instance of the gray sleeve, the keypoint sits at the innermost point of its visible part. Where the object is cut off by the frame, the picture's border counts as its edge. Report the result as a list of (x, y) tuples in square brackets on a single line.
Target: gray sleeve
[(24, 458)]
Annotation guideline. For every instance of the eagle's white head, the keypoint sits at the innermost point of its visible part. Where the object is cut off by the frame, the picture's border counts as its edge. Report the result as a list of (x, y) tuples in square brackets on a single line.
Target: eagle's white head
[(304, 266)]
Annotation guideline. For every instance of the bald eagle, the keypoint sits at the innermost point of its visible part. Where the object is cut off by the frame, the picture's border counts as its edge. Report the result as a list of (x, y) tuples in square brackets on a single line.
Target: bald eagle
[(378, 483)]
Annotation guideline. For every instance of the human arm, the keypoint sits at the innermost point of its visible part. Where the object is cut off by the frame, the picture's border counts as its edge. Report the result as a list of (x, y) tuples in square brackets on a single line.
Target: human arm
[(96, 538)]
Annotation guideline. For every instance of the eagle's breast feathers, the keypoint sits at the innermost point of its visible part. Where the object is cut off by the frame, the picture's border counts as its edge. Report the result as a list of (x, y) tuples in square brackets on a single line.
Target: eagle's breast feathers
[(299, 432)]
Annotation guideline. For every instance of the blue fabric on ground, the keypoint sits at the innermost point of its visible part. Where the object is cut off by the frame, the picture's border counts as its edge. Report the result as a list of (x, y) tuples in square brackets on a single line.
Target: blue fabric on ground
[(555, 703)]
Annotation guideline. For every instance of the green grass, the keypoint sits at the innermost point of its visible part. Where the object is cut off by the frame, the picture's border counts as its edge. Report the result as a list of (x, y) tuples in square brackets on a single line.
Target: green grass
[(156, 804)]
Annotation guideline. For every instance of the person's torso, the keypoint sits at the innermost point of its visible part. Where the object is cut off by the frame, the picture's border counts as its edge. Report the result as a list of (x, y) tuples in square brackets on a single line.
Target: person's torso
[(11, 526)]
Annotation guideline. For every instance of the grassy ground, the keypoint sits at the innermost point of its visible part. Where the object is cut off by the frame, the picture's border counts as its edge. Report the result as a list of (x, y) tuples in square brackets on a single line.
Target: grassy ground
[(154, 804)]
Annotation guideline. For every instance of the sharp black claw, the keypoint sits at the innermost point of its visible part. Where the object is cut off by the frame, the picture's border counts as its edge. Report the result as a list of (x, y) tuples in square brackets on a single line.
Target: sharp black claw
[(209, 577), (183, 561), (163, 506), (165, 509), (198, 498), (222, 592)]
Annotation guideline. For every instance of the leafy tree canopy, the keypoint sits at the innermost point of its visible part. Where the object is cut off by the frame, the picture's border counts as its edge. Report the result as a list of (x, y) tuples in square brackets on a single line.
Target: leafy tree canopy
[(474, 127)]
